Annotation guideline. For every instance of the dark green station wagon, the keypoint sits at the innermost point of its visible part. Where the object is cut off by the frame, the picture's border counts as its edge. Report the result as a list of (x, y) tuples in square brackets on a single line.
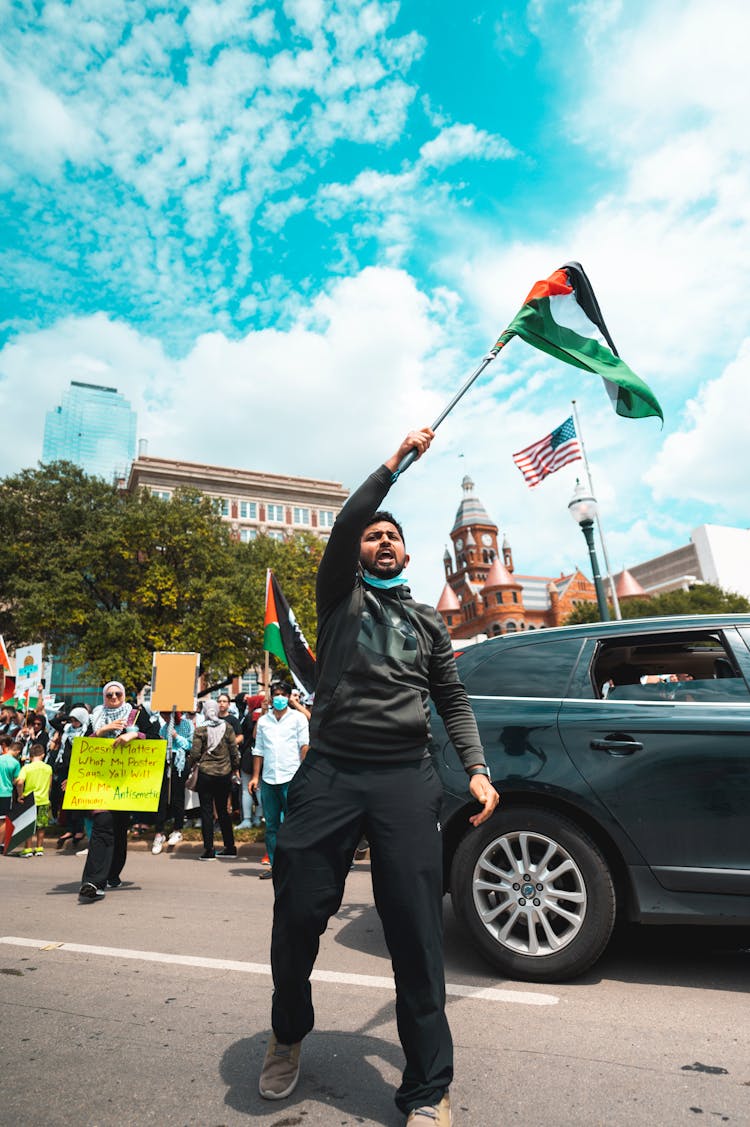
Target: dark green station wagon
[(621, 752)]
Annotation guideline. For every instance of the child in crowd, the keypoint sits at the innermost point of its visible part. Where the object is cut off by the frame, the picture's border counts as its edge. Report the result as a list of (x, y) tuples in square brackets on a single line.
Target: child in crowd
[(36, 776)]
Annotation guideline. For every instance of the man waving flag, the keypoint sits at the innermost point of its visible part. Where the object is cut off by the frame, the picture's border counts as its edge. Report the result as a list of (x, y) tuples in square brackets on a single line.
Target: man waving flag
[(561, 316)]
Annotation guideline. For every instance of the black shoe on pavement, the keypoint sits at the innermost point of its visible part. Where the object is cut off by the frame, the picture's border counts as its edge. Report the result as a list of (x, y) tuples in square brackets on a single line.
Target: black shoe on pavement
[(89, 891), (227, 853), (266, 874), (207, 855)]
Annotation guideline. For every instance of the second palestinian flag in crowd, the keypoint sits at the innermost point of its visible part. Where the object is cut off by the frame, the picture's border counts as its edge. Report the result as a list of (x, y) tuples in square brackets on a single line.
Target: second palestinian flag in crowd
[(7, 680), (283, 637), (561, 316), (20, 824)]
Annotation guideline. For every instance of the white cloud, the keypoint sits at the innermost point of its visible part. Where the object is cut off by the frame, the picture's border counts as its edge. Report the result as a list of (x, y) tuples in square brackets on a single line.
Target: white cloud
[(465, 142), (344, 379), (705, 459), (178, 113), (38, 125)]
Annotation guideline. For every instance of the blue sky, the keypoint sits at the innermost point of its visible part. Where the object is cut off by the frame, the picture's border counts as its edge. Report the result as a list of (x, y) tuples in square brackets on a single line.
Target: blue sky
[(288, 231)]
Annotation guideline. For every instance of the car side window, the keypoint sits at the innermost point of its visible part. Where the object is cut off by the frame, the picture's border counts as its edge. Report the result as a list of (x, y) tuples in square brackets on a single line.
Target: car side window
[(687, 668), (538, 669)]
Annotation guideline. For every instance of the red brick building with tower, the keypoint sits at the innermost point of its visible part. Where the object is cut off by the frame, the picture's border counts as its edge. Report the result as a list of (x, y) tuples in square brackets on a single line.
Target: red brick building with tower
[(483, 592)]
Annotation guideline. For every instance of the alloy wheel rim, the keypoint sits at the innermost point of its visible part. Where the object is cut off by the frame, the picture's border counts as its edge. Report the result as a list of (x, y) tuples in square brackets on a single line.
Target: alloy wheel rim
[(529, 893)]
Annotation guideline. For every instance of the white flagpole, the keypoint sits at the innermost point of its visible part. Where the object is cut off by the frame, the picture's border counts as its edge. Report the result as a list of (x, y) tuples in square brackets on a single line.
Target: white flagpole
[(610, 577)]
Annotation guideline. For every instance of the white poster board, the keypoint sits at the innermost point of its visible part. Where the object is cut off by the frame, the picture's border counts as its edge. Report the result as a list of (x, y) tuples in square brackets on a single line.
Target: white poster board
[(28, 670)]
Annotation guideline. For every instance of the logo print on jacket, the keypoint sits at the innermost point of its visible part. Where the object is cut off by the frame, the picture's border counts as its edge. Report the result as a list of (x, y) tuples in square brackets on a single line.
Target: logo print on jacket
[(385, 633)]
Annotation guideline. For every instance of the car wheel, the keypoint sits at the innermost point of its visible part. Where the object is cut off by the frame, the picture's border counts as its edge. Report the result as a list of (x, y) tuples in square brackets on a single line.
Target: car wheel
[(535, 893)]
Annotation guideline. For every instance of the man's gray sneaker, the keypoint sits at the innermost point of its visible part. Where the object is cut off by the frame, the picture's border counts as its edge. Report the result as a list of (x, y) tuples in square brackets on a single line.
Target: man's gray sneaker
[(280, 1071)]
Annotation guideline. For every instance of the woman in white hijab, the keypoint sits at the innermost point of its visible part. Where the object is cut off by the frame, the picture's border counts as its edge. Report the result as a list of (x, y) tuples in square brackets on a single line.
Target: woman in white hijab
[(215, 751), (115, 719), (78, 725)]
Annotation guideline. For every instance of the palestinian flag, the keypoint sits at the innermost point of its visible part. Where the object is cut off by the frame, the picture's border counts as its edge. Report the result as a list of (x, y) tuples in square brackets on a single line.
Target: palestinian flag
[(561, 316), (283, 637), (7, 680), (20, 824)]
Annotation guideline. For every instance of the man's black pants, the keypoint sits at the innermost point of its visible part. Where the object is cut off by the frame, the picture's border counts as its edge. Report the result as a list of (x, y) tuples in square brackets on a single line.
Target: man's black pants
[(331, 803), (108, 847)]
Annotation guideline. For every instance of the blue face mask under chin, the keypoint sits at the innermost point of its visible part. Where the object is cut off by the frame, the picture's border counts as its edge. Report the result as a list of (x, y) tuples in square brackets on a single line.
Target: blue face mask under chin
[(384, 584)]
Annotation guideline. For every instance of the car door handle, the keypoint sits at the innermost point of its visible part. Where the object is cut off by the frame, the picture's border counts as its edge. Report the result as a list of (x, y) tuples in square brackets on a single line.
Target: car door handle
[(616, 747)]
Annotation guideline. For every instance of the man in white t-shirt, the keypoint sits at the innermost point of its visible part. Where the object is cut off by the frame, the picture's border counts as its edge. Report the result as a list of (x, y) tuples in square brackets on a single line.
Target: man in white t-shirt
[(281, 742)]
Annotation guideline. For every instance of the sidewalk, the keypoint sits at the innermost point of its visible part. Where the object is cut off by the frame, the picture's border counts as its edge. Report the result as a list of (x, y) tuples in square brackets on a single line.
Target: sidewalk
[(248, 849)]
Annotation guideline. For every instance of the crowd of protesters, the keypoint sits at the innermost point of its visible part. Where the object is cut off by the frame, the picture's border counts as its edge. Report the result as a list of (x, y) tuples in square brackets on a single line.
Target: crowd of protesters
[(219, 739)]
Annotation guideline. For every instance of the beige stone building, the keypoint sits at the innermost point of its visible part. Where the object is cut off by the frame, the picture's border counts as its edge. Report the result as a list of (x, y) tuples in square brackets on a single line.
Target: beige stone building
[(252, 503)]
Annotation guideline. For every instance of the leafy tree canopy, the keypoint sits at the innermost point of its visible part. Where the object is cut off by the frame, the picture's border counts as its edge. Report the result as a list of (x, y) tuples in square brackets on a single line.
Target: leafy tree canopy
[(107, 577), (704, 598)]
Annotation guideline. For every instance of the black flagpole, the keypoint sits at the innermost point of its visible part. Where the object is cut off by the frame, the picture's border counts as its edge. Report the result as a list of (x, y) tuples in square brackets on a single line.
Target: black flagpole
[(407, 459)]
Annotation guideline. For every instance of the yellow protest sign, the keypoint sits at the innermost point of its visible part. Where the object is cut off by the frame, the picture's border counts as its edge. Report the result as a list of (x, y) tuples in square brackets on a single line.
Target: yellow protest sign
[(105, 777)]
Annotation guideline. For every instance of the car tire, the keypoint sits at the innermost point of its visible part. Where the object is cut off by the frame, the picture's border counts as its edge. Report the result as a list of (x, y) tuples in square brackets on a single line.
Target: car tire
[(554, 924)]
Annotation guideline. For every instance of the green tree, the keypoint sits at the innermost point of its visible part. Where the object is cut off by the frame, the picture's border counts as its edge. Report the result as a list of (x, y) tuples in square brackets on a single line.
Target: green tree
[(704, 598), (105, 577), (294, 562)]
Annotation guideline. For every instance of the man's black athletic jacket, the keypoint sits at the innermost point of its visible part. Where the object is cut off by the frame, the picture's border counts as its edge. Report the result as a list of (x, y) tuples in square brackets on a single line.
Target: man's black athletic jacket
[(380, 656)]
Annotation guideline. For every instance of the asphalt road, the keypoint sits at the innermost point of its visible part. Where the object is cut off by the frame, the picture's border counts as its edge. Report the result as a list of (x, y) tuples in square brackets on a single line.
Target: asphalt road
[(152, 1006)]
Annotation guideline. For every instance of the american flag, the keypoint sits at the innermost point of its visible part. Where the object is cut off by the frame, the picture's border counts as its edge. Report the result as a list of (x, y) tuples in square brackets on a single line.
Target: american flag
[(549, 453)]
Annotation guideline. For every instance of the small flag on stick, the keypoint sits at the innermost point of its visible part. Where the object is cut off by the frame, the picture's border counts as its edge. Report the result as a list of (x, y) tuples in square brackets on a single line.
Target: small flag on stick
[(20, 823), (550, 453), (283, 637), (561, 316)]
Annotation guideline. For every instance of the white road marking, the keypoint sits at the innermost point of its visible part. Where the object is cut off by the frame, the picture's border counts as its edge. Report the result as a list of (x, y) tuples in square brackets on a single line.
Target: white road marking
[(483, 993)]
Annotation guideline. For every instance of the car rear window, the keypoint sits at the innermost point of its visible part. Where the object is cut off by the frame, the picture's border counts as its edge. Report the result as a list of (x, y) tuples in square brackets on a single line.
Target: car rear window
[(533, 669), (691, 668)]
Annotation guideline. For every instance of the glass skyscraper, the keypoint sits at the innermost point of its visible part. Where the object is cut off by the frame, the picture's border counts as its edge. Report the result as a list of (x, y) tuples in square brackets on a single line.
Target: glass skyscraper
[(94, 428)]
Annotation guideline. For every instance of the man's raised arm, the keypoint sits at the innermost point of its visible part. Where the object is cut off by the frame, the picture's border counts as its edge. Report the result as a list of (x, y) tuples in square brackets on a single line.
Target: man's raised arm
[(338, 567)]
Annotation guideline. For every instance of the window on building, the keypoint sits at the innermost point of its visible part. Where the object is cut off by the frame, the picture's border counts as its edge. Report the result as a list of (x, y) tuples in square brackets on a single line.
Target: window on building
[(275, 534), (275, 513), (515, 596), (224, 506), (301, 516), (249, 682), (449, 619), (248, 534), (326, 518), (498, 597), (162, 494), (248, 510)]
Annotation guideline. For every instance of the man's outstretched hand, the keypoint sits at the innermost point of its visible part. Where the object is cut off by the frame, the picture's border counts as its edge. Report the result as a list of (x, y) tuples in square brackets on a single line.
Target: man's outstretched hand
[(418, 440)]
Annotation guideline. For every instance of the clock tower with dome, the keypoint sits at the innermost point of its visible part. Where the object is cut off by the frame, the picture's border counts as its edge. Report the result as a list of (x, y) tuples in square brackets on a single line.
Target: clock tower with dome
[(483, 595)]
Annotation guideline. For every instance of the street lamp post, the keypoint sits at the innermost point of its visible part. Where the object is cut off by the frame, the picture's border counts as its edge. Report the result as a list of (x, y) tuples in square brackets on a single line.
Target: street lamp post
[(582, 508)]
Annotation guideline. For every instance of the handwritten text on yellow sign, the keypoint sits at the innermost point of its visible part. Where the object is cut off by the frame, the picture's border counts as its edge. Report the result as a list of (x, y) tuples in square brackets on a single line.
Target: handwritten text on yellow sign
[(105, 777)]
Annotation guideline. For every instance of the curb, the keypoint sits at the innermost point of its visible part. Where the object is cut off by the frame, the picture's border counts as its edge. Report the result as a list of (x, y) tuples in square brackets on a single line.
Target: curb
[(250, 850), (247, 849)]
